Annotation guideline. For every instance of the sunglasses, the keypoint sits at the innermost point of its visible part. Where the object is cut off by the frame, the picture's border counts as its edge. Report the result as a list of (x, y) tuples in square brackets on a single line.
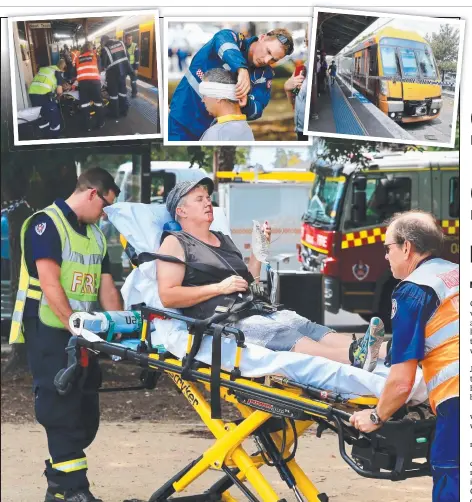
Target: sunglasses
[(285, 42), (105, 202), (387, 246)]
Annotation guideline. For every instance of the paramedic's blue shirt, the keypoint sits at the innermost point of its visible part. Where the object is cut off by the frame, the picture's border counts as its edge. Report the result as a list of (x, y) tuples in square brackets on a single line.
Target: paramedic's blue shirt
[(44, 242), (412, 308), (225, 50)]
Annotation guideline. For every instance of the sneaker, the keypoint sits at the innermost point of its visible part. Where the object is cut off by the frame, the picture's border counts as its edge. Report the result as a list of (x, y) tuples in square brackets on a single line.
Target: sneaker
[(366, 350)]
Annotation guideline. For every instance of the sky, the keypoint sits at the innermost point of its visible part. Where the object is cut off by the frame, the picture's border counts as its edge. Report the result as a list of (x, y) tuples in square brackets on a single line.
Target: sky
[(419, 25), (265, 155)]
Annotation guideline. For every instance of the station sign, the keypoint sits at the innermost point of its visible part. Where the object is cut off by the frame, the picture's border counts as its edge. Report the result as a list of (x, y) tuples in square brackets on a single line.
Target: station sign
[(39, 25)]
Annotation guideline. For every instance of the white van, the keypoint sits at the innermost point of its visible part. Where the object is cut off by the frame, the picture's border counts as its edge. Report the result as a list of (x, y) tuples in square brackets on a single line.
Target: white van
[(164, 176)]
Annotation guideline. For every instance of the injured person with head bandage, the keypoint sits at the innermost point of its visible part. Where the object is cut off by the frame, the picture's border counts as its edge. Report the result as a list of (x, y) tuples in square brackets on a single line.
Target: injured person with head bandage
[(218, 91)]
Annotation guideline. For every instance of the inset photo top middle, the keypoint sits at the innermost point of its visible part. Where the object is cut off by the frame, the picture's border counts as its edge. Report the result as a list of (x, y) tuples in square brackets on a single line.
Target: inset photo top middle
[(235, 81)]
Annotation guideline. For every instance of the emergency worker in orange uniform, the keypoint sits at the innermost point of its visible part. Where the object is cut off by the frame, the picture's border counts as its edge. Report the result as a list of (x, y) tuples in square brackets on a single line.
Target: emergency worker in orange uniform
[(90, 93), (425, 324)]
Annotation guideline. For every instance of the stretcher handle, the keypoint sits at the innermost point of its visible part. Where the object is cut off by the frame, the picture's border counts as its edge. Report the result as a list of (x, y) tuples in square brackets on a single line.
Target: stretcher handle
[(227, 330)]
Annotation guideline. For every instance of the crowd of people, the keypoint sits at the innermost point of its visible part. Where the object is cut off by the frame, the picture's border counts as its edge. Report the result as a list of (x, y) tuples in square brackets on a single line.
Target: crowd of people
[(92, 71)]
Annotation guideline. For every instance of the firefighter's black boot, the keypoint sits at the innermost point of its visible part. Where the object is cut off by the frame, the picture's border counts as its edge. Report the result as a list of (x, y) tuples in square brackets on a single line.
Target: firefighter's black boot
[(83, 495)]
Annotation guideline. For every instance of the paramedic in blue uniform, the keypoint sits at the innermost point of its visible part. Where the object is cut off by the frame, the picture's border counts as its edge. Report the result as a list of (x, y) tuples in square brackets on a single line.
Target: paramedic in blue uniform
[(114, 60), (47, 85), (425, 324), (249, 58), (71, 421), (132, 50)]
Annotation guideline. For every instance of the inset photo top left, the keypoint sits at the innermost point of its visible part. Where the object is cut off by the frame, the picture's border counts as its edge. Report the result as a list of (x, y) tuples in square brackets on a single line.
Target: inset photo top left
[(85, 77)]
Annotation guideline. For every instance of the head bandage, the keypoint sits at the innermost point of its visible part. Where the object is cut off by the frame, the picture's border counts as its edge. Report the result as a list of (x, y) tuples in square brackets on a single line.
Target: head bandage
[(218, 91)]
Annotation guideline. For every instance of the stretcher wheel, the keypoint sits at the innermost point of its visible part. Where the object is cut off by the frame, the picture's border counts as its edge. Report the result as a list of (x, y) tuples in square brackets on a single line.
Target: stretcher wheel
[(322, 497)]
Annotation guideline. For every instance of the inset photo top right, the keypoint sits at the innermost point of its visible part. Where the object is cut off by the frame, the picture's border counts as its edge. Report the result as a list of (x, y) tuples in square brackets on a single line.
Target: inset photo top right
[(384, 78)]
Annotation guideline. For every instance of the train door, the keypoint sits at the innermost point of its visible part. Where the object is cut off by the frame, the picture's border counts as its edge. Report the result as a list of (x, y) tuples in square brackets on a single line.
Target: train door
[(147, 47)]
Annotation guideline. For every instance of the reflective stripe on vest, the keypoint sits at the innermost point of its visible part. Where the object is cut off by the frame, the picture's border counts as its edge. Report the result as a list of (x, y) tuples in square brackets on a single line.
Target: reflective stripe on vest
[(80, 272), (87, 67), (441, 360), (44, 81), (117, 59), (131, 50)]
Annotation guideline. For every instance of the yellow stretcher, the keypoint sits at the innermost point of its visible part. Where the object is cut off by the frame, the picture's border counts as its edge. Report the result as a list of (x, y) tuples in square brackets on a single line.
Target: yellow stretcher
[(275, 412)]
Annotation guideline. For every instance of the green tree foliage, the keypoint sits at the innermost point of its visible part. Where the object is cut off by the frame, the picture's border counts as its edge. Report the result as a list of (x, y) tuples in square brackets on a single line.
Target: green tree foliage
[(445, 45)]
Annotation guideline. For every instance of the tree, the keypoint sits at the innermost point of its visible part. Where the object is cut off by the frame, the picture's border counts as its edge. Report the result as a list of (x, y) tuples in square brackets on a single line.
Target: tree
[(445, 46), (280, 160)]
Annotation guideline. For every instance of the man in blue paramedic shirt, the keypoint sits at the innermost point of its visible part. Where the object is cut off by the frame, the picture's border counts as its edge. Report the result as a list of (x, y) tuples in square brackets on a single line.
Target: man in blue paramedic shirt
[(425, 324), (249, 58)]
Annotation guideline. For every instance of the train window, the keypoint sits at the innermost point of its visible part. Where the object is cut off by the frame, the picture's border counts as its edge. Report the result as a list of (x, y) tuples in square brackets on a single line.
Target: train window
[(426, 63), (409, 63), (373, 68), (389, 61), (145, 56), (454, 197)]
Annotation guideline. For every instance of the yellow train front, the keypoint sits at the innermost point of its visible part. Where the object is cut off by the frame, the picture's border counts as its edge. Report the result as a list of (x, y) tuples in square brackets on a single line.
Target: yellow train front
[(396, 70)]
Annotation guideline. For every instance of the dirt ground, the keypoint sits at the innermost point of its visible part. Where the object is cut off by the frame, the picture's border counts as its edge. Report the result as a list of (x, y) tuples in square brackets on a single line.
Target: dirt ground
[(147, 436)]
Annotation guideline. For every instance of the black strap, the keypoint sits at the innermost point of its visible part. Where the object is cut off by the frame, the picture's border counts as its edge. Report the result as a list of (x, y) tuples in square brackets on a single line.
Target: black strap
[(197, 330), (215, 385), (201, 267)]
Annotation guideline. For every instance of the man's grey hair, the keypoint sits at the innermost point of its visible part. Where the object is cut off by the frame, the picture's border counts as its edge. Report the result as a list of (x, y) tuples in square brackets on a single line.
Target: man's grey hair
[(183, 200), (420, 228), (221, 76)]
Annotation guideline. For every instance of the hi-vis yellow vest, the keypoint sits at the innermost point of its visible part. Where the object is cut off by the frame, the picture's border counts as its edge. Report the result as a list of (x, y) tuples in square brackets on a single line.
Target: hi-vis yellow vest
[(131, 50), (441, 360), (44, 81), (80, 273)]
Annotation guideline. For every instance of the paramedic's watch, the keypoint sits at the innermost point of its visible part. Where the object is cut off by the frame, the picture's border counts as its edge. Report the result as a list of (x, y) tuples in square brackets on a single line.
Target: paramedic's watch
[(374, 418)]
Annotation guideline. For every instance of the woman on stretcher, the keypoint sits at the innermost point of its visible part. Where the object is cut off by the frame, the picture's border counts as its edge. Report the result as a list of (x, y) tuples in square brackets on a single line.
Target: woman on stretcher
[(227, 282)]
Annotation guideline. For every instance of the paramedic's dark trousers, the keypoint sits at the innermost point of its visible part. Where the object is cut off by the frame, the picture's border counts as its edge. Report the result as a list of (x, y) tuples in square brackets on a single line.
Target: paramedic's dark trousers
[(445, 452), (134, 86), (118, 93), (50, 122), (71, 421), (90, 95)]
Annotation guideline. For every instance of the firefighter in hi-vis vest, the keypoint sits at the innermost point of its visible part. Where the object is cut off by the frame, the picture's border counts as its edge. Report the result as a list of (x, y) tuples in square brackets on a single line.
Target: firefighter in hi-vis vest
[(48, 84), (132, 49), (65, 268), (425, 329), (90, 87)]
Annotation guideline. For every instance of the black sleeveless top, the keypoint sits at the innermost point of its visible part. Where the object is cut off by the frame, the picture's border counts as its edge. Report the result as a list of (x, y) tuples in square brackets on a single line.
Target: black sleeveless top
[(223, 262)]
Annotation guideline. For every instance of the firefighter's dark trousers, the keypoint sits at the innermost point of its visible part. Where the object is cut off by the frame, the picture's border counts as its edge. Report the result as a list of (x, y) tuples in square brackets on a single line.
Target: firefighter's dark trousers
[(118, 93), (71, 421), (90, 94)]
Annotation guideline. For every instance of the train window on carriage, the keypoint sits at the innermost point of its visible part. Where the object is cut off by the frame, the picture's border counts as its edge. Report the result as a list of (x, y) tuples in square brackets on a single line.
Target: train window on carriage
[(409, 62), (373, 66), (454, 197), (389, 61), (145, 56)]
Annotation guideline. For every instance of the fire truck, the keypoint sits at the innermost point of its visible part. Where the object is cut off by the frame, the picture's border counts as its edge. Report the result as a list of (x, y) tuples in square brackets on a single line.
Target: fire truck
[(343, 228)]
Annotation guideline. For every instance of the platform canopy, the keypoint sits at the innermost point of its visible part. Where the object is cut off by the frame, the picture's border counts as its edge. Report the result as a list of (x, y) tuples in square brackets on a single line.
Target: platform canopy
[(335, 31)]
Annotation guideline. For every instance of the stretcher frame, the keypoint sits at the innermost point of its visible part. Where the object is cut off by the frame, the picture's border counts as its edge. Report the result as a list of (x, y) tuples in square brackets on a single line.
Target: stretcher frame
[(275, 413)]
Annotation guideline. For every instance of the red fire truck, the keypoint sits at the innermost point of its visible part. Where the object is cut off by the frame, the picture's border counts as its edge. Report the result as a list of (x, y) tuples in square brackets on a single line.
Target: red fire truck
[(343, 229)]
